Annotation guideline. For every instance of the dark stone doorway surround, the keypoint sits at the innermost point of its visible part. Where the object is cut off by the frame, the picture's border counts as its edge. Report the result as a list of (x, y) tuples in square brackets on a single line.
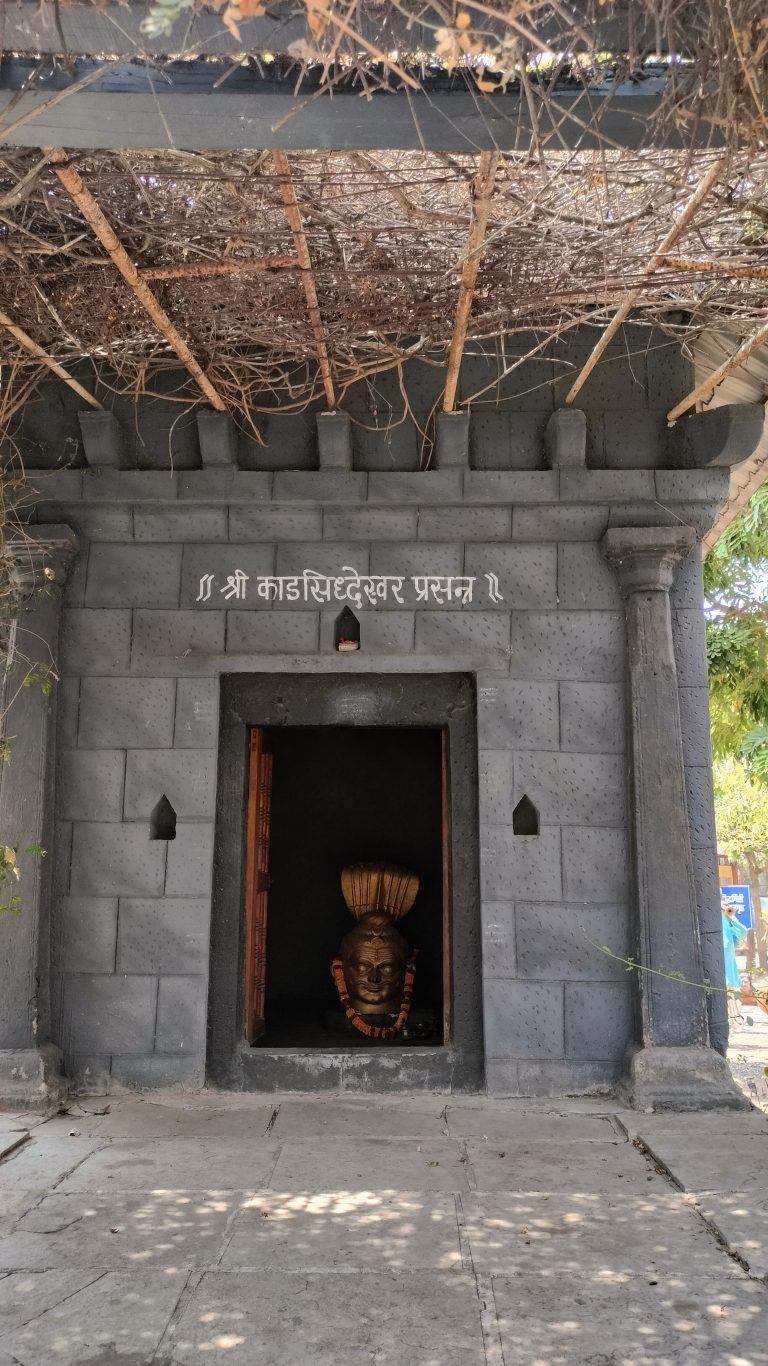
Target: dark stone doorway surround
[(396, 700)]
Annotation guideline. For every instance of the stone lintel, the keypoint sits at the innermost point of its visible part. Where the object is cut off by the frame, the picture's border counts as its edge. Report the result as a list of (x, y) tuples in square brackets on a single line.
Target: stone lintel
[(726, 435), (679, 1079), (41, 557), (646, 557)]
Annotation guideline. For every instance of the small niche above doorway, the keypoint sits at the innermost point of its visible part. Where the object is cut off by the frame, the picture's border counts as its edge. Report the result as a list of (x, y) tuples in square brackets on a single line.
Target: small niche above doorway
[(321, 798)]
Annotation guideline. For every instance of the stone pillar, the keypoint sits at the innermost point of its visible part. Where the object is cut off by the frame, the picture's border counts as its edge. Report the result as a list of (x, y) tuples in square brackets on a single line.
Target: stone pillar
[(671, 1064), (39, 558)]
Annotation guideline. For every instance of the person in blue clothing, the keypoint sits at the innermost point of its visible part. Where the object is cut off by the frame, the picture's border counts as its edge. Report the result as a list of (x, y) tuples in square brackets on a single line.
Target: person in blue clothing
[(733, 933)]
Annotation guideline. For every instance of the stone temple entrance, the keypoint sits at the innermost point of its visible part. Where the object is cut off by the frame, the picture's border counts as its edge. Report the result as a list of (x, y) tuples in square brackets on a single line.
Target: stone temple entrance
[(336, 796), (317, 773)]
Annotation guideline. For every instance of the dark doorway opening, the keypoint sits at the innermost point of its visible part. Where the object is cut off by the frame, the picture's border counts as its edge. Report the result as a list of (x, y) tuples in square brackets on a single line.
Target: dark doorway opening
[(338, 796)]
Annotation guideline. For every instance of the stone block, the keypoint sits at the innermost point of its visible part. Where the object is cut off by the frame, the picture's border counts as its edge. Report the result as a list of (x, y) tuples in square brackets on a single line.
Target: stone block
[(130, 486), (88, 1074), (595, 865), (57, 486), (692, 486), (513, 715), (222, 561), (77, 573), (160, 1070), (190, 861), (168, 934), (62, 856), (180, 524), (634, 441), (116, 1013), (563, 942), (133, 576), (523, 386), (270, 632), (524, 1019), (451, 440), (719, 436), (520, 866), (320, 486), (89, 784), (606, 486), (565, 440), (116, 860), (496, 786), (104, 441), (386, 447), (217, 438), (574, 523), (465, 524), (214, 486), (275, 524), (585, 579), (694, 721), (85, 934), (463, 632), (582, 789), (374, 524), (568, 645), (515, 486), (527, 575), (409, 561), (564, 1078), (325, 557), (688, 634), (251, 486), (131, 713), (187, 777), (97, 522), (181, 1011), (499, 956), (95, 642), (707, 886), (197, 707), (687, 590), (382, 631), (176, 642), (670, 375), (592, 718), (334, 441), (415, 488), (701, 809), (67, 712)]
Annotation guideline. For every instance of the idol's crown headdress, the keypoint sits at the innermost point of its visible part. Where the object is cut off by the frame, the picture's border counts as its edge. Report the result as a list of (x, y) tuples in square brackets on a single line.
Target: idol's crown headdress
[(370, 887)]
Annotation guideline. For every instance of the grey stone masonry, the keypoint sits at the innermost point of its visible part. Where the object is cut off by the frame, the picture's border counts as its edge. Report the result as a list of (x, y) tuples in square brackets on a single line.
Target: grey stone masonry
[(171, 594)]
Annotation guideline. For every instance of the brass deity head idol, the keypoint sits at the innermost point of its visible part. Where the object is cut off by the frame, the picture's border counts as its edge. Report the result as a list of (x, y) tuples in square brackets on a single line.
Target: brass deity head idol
[(374, 957)]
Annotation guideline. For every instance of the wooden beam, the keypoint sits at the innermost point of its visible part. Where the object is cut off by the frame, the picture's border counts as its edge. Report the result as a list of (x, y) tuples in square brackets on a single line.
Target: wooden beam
[(633, 295), (201, 270), (711, 381), (96, 220), (32, 347), (293, 214), (482, 191)]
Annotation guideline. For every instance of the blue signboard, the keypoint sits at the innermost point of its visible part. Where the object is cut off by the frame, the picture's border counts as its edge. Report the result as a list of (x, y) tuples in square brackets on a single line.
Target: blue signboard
[(741, 900)]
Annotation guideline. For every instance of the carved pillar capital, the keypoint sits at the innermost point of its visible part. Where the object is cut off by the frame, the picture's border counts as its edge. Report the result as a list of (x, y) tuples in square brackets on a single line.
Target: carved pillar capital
[(646, 557), (40, 557)]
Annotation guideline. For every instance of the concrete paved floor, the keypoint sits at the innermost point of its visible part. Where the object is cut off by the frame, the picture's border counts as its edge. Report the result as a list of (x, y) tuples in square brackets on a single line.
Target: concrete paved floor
[(172, 1230)]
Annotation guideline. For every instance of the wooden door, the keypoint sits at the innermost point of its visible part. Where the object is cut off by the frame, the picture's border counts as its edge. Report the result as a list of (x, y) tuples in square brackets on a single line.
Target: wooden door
[(257, 883)]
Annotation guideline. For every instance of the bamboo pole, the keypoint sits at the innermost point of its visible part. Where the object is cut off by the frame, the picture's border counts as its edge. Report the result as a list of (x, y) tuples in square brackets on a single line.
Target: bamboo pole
[(201, 270), (97, 221), (734, 271), (293, 214), (630, 299), (758, 338), (34, 350), (482, 191)]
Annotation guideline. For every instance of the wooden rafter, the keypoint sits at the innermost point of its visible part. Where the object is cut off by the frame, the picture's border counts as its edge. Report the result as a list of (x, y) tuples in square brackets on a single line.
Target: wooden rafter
[(32, 347), (201, 270), (633, 295), (96, 220), (293, 214), (482, 191), (711, 381)]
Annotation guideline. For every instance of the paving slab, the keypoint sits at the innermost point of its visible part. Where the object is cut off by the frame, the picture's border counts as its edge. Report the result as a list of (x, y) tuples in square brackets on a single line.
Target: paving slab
[(43, 1160), (599, 1237), (372, 1164), (75, 1318), (14, 1203), (705, 1156), (346, 1231), (175, 1164), (680, 1321), (145, 1119), (741, 1220), (499, 1122), (555, 1166), (278, 1318), (302, 1119), (163, 1229)]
